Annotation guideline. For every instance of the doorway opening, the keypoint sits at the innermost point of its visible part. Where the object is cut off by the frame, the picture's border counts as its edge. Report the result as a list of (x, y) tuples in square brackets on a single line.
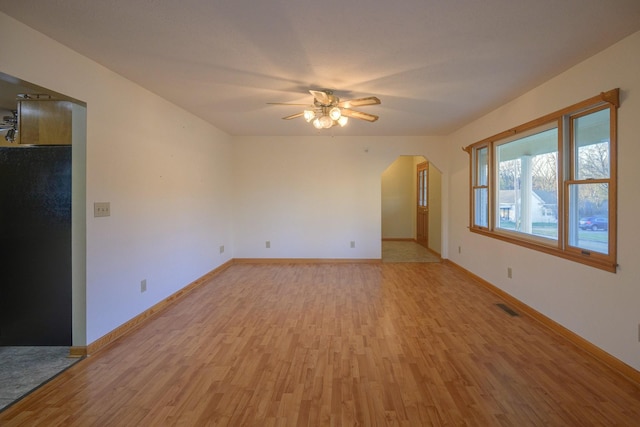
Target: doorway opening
[(411, 209), (43, 290)]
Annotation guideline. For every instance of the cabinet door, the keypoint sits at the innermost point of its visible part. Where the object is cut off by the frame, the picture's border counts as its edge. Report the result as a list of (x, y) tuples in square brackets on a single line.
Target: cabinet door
[(44, 122)]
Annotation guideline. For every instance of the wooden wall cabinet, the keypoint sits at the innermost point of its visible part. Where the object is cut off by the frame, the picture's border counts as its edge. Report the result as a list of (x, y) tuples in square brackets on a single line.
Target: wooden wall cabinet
[(44, 122)]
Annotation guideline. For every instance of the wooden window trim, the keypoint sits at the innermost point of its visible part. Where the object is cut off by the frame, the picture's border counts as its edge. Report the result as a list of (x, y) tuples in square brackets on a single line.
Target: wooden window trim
[(608, 262)]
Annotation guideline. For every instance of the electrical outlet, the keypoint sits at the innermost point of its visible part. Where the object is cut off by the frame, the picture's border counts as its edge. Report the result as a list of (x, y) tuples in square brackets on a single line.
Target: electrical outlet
[(267, 244), (101, 209), (353, 244), (143, 285), (509, 273), (639, 332), (459, 249), (222, 249)]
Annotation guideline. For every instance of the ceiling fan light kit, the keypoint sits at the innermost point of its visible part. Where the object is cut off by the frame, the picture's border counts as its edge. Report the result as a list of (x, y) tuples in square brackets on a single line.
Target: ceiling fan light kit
[(323, 119), (328, 111)]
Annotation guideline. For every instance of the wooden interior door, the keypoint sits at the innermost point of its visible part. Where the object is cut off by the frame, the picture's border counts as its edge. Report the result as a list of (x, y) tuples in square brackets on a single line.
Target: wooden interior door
[(422, 229)]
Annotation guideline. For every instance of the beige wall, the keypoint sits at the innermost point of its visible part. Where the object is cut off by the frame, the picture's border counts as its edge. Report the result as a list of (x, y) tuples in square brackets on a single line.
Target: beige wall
[(165, 172), (599, 306), (399, 199), (435, 209), (311, 196)]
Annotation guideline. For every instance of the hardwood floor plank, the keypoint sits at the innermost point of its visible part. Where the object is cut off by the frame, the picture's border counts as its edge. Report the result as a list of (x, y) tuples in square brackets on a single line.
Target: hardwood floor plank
[(335, 344)]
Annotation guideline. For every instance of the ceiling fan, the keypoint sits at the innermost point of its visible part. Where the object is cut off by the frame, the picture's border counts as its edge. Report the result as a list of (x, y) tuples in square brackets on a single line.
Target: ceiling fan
[(327, 109)]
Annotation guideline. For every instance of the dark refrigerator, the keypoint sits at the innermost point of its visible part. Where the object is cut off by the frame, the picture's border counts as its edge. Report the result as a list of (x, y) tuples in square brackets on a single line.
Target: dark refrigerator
[(35, 245)]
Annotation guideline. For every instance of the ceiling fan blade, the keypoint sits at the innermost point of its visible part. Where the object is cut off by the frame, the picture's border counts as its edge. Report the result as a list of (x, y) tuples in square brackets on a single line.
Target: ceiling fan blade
[(322, 97), (293, 116), (359, 115), (288, 103), (370, 100)]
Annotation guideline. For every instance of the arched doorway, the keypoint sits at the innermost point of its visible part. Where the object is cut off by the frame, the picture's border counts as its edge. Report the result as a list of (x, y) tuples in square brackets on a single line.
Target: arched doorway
[(405, 194)]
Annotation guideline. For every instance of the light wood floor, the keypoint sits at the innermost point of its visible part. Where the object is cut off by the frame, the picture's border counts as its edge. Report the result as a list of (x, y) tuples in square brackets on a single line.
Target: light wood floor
[(335, 344)]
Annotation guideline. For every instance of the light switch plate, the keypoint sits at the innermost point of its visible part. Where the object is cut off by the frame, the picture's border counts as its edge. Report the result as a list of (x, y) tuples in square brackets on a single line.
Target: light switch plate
[(101, 209)]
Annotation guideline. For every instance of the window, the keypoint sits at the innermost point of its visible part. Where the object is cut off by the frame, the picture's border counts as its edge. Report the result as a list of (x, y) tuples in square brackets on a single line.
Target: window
[(423, 199), (481, 188), (550, 184), (527, 183)]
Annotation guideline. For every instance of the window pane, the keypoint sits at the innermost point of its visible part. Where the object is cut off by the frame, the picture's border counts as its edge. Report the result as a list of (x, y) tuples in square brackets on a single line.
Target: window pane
[(423, 188), (424, 194), (528, 184), (481, 207), (589, 217), (482, 172), (591, 139)]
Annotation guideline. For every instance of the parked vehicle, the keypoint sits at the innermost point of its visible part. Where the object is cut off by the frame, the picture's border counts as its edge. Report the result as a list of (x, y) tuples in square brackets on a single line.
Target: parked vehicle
[(593, 223)]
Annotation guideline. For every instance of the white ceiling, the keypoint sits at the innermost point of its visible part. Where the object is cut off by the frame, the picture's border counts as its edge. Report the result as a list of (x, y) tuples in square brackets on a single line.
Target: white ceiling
[(435, 64)]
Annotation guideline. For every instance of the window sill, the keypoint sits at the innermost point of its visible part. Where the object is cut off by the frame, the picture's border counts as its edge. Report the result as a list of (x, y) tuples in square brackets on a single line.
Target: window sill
[(593, 260)]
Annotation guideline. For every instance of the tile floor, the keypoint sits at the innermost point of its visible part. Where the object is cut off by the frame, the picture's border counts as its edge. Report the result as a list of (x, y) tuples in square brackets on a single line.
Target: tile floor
[(24, 368), (406, 251)]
